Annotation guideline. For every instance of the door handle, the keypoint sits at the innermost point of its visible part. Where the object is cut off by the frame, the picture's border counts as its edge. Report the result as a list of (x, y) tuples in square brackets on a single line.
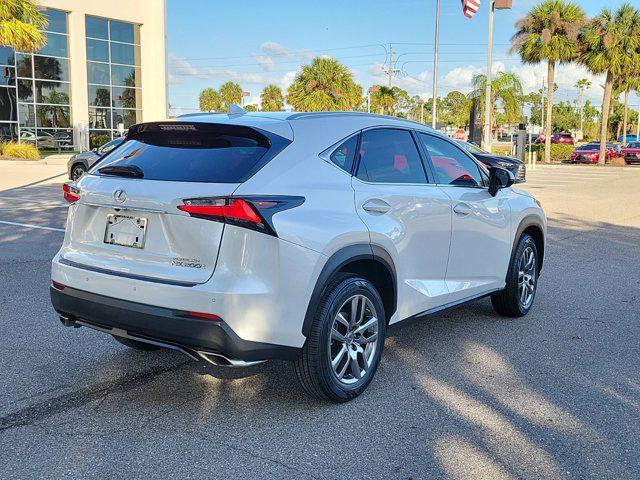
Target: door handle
[(462, 209), (375, 206)]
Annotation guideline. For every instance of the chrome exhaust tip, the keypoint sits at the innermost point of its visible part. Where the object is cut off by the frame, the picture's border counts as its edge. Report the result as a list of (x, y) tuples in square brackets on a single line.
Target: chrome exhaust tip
[(220, 360)]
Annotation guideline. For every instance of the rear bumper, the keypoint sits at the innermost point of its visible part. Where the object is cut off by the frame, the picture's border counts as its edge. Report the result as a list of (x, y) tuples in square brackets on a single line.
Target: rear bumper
[(164, 326)]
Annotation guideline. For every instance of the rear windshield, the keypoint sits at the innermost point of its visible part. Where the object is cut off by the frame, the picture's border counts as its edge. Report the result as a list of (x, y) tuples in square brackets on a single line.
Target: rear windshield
[(195, 152), (588, 146)]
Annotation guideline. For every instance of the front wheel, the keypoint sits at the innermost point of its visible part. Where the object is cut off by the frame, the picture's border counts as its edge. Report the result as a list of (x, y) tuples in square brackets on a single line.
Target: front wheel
[(343, 349), (77, 171), (522, 280)]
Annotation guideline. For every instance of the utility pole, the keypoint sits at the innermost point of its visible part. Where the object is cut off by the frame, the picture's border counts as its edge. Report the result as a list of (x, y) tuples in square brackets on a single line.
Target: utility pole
[(390, 65), (435, 69), (542, 106), (487, 101), (581, 116)]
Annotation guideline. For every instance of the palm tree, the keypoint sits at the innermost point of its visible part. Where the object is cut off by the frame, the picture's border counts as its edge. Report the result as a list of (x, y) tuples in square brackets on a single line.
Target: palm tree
[(230, 92), (271, 98), (326, 84), (505, 88), (625, 84), (21, 25), (549, 32), (385, 99), (209, 100), (610, 47), (582, 85)]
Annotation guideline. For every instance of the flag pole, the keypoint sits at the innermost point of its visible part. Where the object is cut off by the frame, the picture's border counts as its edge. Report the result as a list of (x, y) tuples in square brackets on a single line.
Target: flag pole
[(435, 69), (486, 144)]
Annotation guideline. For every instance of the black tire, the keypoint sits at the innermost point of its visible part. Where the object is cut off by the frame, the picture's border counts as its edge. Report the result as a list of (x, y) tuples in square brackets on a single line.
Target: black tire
[(313, 367), (145, 347), (507, 302), (77, 171)]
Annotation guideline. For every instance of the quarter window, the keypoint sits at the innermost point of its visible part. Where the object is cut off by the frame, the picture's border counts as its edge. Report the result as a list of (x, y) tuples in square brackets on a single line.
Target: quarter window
[(390, 156), (343, 155), (452, 166)]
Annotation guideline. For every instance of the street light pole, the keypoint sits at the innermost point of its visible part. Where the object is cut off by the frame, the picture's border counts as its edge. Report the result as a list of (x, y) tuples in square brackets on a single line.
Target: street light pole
[(487, 100), (435, 69)]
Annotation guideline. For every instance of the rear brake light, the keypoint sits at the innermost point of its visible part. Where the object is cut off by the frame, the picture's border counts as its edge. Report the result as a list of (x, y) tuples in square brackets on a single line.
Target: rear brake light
[(205, 316), (58, 285), (254, 213), (70, 192)]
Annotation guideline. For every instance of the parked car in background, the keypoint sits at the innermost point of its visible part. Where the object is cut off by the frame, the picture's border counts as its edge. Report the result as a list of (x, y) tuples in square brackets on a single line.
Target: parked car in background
[(590, 152), (514, 165), (631, 137), (534, 138), (631, 153), (291, 236), (79, 163)]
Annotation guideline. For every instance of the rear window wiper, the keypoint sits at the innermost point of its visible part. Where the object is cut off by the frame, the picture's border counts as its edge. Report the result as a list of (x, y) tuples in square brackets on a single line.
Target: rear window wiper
[(132, 171)]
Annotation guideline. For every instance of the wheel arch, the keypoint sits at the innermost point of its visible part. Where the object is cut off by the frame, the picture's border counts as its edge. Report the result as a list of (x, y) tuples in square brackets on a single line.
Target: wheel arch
[(369, 261), (532, 225)]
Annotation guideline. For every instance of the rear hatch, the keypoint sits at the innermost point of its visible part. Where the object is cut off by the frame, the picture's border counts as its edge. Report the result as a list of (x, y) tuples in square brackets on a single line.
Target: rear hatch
[(127, 220)]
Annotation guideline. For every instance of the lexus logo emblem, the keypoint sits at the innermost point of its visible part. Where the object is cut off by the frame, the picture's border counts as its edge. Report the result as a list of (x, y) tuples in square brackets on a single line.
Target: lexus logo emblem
[(120, 195)]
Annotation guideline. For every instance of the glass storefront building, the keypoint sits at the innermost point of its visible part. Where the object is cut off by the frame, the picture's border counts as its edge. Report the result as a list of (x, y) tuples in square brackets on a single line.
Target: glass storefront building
[(88, 81), (35, 101), (113, 75)]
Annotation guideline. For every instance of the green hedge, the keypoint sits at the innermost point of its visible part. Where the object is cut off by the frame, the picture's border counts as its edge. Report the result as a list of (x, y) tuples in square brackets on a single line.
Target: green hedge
[(559, 151), (96, 141)]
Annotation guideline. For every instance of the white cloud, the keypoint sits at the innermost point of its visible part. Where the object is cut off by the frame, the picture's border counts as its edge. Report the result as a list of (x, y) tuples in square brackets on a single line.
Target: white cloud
[(275, 49), (180, 67), (267, 63), (287, 79)]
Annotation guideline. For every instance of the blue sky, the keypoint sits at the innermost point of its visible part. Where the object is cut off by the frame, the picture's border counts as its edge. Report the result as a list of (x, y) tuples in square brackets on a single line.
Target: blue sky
[(259, 42)]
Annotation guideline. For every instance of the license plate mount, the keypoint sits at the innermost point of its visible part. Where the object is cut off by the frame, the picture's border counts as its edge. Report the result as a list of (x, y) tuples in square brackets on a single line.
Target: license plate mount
[(125, 230)]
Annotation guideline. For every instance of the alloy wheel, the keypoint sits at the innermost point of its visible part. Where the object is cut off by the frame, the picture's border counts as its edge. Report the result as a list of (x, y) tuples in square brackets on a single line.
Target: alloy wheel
[(353, 342), (527, 277)]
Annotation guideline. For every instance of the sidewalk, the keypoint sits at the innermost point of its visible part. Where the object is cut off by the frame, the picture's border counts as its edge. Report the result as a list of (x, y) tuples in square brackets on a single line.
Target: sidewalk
[(54, 159)]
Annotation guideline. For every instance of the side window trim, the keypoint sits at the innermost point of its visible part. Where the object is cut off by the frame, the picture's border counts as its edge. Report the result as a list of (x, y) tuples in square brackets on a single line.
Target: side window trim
[(464, 152), (416, 142)]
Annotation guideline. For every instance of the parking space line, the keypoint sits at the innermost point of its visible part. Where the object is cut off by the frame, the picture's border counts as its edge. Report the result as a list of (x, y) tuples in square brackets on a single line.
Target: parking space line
[(27, 225)]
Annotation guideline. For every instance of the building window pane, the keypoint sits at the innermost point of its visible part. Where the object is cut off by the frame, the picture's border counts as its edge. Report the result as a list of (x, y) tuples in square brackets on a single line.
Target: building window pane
[(98, 73), (96, 27), (56, 45), (27, 115), (127, 117), (122, 32), (53, 116), (24, 66), (127, 97), (8, 131), (123, 53), (48, 68), (99, 118), (57, 21), (125, 76), (7, 76), (97, 50), (99, 96), (52, 92), (6, 56), (8, 105), (25, 90)]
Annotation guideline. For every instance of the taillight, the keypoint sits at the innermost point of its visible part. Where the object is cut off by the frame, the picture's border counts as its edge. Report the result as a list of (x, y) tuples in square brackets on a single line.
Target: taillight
[(70, 192), (250, 212), (204, 316)]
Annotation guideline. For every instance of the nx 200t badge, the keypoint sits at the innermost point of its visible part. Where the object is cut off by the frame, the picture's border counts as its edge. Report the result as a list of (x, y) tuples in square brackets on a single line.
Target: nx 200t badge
[(187, 262)]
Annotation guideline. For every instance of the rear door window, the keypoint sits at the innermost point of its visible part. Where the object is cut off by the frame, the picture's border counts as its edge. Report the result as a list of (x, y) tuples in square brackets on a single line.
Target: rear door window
[(195, 152), (390, 156)]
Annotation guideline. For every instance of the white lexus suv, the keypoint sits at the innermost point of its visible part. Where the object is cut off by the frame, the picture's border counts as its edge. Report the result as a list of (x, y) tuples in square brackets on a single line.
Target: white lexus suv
[(238, 238)]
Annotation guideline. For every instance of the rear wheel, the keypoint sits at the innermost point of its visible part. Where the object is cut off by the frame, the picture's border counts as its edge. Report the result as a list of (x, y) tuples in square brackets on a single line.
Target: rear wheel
[(146, 347), (522, 281), (345, 343)]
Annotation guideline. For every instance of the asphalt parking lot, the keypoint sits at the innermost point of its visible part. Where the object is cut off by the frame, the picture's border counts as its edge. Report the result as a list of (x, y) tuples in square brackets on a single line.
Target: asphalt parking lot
[(463, 394)]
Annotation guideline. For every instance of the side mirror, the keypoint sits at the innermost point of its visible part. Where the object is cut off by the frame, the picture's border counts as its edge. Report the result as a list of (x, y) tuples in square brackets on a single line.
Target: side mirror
[(499, 178)]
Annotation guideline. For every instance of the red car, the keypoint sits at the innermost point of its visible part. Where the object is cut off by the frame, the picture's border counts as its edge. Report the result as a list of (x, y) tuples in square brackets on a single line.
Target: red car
[(631, 153), (590, 153), (565, 138)]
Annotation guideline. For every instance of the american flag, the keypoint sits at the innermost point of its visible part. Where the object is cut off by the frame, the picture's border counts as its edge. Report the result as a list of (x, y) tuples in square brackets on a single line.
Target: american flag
[(470, 7)]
